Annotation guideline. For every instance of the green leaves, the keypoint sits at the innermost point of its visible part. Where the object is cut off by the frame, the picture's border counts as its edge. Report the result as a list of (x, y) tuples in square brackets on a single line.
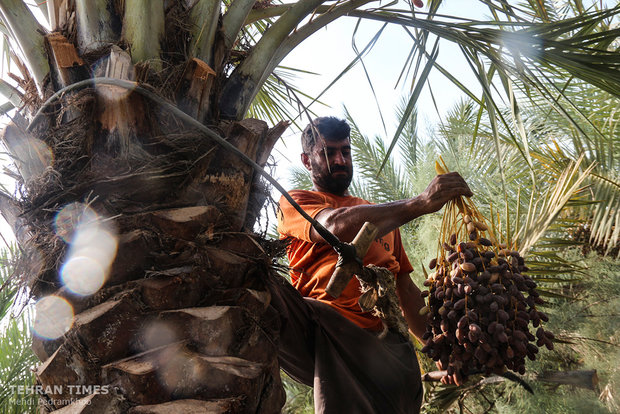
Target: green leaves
[(16, 363), (545, 207), (16, 356), (408, 111), (278, 98)]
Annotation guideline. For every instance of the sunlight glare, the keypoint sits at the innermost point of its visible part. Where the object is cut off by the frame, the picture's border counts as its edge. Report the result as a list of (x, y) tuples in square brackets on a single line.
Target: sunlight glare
[(68, 219), (157, 334), (82, 275), (95, 242), (179, 369), (33, 157), (53, 317), (93, 246), (521, 48)]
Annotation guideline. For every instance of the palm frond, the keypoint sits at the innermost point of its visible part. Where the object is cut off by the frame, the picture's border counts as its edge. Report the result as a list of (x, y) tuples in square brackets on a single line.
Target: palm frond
[(421, 81), (299, 397), (16, 363), (234, 19), (204, 16), (359, 55), (24, 29), (386, 185), (278, 98), (605, 221), (276, 42), (409, 144), (11, 93), (16, 356), (368, 78), (598, 145), (548, 206), (300, 178)]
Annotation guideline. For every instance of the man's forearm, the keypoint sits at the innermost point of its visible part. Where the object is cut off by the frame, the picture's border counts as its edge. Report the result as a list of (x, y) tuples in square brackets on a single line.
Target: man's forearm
[(345, 222)]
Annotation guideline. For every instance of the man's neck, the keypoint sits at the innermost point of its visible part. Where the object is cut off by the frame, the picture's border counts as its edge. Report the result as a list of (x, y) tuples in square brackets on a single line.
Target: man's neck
[(345, 194)]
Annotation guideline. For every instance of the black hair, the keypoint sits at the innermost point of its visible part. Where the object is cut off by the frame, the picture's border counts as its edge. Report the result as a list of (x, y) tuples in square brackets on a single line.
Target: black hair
[(330, 127)]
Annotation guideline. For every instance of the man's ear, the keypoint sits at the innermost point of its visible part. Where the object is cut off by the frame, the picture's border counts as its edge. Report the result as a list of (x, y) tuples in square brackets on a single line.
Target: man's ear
[(305, 160)]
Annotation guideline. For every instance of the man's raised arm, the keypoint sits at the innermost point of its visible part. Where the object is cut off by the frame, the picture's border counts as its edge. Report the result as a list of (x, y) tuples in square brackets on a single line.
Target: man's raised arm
[(345, 222)]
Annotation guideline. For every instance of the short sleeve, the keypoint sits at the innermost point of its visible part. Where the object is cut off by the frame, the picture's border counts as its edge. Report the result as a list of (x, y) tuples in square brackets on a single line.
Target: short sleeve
[(290, 222)]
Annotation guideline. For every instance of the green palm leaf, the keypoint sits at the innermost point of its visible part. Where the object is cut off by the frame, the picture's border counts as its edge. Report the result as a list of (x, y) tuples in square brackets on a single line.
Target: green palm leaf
[(16, 356)]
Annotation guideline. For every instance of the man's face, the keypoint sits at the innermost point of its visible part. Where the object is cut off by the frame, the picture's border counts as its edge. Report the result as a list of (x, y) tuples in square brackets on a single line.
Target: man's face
[(330, 165)]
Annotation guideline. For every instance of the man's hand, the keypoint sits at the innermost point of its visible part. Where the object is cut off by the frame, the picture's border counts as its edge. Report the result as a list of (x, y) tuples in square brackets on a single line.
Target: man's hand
[(442, 189)]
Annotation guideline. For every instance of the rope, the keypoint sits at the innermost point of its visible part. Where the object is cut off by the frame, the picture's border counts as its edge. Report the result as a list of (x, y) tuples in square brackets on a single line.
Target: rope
[(343, 249)]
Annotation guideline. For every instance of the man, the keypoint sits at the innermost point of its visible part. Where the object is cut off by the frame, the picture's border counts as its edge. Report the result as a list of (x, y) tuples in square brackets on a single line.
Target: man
[(330, 343)]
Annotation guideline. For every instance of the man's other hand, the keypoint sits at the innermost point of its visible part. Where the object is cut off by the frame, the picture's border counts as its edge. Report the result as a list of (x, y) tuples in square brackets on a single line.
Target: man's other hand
[(454, 379)]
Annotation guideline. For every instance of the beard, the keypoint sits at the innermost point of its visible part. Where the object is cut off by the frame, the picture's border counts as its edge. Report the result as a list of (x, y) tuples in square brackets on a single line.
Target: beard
[(334, 182)]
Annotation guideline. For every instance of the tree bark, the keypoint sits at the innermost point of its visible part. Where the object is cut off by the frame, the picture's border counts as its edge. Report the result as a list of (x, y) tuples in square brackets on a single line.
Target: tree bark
[(143, 30), (194, 92), (183, 314), (181, 319), (97, 23)]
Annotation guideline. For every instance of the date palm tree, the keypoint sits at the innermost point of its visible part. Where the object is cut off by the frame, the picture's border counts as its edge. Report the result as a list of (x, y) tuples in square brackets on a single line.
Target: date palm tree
[(139, 185)]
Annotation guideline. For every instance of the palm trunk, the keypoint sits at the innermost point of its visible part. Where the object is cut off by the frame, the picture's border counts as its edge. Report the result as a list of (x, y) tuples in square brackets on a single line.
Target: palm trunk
[(182, 321)]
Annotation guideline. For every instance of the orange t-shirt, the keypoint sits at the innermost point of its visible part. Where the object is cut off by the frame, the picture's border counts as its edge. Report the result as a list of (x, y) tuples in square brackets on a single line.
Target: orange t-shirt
[(312, 264)]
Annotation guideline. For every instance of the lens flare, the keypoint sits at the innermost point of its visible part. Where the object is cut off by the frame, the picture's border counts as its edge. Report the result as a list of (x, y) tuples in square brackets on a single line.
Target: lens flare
[(70, 217), (95, 242), (178, 370), (53, 317), (82, 275), (33, 157), (157, 334), (93, 246)]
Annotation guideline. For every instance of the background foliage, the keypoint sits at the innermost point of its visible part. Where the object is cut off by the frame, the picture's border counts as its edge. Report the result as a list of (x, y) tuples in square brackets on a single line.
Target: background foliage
[(16, 357), (582, 289)]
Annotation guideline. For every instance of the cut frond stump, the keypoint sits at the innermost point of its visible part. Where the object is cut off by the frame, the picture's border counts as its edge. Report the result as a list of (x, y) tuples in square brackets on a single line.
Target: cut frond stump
[(195, 88), (223, 406), (96, 403), (177, 372)]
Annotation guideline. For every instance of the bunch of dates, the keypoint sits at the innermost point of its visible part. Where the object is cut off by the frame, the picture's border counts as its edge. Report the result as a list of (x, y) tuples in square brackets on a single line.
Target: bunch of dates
[(481, 305)]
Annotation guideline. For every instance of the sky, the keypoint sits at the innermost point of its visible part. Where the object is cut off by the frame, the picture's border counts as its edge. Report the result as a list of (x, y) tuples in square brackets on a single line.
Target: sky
[(330, 50)]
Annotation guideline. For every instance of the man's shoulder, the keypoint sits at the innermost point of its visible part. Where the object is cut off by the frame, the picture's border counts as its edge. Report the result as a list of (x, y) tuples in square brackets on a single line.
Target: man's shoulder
[(319, 195), (302, 195), (303, 192)]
